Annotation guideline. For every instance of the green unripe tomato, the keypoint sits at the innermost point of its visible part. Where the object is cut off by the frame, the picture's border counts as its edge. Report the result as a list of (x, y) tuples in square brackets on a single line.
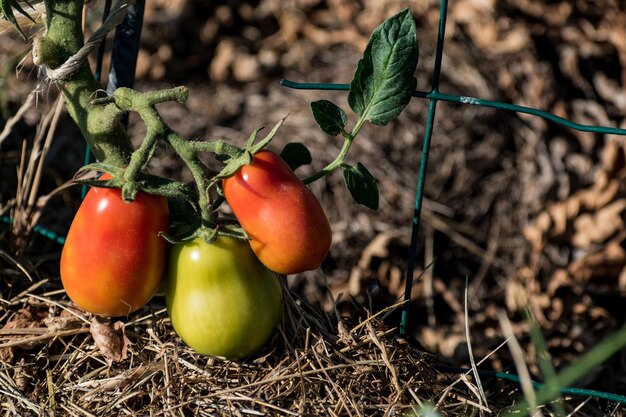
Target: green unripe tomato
[(221, 300)]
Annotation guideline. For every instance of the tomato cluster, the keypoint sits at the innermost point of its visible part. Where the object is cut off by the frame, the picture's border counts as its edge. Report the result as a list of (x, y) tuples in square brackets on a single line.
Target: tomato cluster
[(224, 297)]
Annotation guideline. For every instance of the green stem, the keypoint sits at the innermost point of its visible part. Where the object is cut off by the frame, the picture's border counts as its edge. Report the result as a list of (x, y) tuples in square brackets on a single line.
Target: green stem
[(142, 155), (347, 143), (198, 171), (218, 147), (100, 125), (144, 104)]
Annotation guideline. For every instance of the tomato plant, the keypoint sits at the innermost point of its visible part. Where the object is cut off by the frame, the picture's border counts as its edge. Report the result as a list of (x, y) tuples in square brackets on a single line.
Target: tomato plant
[(114, 259), (287, 225), (222, 301)]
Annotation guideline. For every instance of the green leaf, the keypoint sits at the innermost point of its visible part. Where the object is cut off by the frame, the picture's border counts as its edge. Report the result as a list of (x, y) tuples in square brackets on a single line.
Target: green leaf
[(384, 80), (331, 118), (362, 185), (295, 154)]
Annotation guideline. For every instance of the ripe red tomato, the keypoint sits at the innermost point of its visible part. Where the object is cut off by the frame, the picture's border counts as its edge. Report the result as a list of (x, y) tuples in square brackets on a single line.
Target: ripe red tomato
[(287, 225), (113, 259)]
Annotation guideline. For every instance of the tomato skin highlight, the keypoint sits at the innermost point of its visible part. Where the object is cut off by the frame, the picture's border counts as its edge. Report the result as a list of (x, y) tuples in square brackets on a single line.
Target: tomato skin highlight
[(221, 300), (288, 228), (113, 259)]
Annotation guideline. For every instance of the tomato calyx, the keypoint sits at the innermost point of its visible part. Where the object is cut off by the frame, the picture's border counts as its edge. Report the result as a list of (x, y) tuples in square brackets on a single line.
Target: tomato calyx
[(150, 184), (234, 164), (186, 229)]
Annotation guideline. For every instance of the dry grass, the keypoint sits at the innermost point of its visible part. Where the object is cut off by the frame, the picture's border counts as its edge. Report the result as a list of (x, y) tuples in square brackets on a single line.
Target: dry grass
[(316, 364), (313, 366)]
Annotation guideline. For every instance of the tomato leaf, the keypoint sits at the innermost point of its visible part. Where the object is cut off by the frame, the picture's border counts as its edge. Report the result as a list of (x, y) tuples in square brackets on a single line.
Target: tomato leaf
[(331, 118), (295, 154), (362, 185), (384, 80)]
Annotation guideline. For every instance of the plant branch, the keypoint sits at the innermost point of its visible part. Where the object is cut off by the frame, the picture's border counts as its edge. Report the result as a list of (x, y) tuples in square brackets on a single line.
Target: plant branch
[(126, 99), (339, 160), (100, 125)]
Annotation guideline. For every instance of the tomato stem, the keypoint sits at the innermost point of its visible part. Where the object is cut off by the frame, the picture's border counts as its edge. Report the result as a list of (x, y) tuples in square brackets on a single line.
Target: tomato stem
[(100, 125), (337, 162), (144, 104)]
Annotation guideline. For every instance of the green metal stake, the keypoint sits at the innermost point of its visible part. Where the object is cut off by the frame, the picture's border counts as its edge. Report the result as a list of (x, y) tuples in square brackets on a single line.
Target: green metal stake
[(436, 95), (419, 194)]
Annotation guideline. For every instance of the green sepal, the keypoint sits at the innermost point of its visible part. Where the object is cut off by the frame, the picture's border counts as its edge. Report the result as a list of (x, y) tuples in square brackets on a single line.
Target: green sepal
[(296, 154), (93, 182), (233, 230), (150, 184), (254, 148), (168, 188), (362, 185), (115, 171), (209, 234), (182, 230), (233, 164)]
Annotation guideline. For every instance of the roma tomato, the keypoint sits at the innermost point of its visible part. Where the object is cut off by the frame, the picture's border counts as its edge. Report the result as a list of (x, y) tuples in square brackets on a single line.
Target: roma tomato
[(221, 300), (113, 259), (287, 225)]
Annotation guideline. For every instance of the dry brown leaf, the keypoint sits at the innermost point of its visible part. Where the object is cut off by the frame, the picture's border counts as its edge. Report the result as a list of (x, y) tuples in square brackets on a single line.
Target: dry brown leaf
[(221, 63), (110, 338), (590, 216), (25, 318), (378, 248), (344, 334), (560, 278)]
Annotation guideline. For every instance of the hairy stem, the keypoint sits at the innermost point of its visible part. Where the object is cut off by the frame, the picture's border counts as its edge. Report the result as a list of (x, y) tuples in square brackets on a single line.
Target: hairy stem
[(100, 125), (126, 99)]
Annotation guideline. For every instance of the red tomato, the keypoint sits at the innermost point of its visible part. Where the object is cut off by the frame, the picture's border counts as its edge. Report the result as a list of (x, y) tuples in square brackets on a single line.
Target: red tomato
[(113, 259), (287, 226)]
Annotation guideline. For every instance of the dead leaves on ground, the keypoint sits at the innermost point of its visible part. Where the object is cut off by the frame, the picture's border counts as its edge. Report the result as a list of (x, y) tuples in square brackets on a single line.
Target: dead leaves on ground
[(580, 243), (38, 325), (33, 327), (109, 338)]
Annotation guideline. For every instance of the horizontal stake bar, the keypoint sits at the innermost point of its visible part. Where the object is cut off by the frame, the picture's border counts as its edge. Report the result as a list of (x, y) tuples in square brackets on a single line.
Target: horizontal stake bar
[(40, 230), (435, 95)]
